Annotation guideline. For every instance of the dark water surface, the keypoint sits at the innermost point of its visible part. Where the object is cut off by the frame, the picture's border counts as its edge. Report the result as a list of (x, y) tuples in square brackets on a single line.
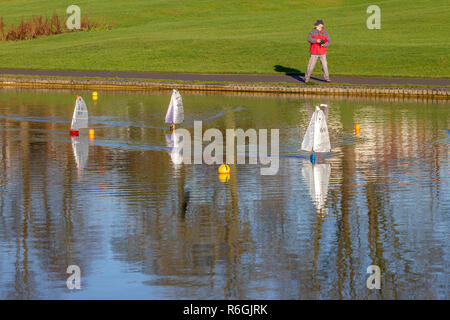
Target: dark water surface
[(140, 226)]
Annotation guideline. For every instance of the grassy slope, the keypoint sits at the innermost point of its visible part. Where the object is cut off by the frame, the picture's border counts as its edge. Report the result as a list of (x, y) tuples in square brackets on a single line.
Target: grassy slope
[(238, 36)]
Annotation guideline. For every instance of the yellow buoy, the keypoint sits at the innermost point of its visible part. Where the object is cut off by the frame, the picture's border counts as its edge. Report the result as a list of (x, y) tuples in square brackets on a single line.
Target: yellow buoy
[(224, 177), (357, 128), (94, 95), (91, 134), (224, 168)]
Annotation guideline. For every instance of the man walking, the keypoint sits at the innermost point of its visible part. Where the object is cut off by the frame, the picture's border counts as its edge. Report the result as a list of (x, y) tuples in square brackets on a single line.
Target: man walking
[(319, 41)]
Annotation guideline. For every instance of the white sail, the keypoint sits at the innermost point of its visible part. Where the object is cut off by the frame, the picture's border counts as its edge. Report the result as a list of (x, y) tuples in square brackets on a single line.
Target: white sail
[(321, 137), (308, 139), (175, 112), (316, 138), (80, 115), (317, 177), (80, 149)]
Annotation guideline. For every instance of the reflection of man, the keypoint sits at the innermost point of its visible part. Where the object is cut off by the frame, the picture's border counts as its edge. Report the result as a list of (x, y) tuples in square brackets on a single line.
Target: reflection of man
[(319, 41)]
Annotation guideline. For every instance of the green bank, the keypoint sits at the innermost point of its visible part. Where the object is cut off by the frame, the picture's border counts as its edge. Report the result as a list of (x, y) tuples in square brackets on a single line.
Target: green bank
[(259, 36)]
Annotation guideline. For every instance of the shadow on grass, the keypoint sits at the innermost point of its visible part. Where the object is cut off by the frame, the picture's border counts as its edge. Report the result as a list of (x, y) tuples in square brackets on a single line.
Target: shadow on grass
[(293, 73)]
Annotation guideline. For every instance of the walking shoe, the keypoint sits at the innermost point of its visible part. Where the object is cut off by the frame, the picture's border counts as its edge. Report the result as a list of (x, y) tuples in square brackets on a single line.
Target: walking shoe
[(328, 80)]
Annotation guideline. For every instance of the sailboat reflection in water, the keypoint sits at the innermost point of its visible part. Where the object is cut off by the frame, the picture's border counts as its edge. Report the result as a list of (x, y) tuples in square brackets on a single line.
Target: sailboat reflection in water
[(317, 177), (80, 147), (174, 142)]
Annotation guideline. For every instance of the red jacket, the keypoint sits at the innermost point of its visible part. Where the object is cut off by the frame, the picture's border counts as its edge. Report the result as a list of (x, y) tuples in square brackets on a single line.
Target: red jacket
[(316, 48)]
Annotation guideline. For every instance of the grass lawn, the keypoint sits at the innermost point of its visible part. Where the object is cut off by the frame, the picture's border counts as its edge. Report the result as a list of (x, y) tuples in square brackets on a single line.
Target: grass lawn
[(238, 36)]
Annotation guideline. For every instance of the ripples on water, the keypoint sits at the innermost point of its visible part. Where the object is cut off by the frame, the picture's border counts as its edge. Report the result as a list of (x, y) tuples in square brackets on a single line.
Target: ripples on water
[(140, 226)]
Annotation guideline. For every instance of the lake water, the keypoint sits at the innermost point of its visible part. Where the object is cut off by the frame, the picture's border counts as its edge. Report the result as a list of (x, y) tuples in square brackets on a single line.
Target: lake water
[(140, 227)]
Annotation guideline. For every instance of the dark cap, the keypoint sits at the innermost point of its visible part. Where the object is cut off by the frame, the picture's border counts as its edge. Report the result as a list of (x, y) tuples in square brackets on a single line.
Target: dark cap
[(318, 22)]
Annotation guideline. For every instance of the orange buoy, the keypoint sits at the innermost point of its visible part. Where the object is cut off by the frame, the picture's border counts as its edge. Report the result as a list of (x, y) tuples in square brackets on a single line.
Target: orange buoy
[(224, 168), (94, 95), (224, 177), (357, 128), (91, 134)]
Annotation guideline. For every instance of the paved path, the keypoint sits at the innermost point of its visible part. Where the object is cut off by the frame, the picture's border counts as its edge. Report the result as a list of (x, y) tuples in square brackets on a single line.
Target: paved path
[(240, 78)]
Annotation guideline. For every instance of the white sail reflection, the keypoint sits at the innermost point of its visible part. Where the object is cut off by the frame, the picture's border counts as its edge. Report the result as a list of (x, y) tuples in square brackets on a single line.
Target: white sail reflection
[(174, 142), (317, 178), (80, 147)]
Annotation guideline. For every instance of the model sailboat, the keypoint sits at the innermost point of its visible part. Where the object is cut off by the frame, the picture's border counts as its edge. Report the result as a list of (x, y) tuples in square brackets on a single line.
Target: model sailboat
[(316, 138), (80, 117), (175, 112)]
